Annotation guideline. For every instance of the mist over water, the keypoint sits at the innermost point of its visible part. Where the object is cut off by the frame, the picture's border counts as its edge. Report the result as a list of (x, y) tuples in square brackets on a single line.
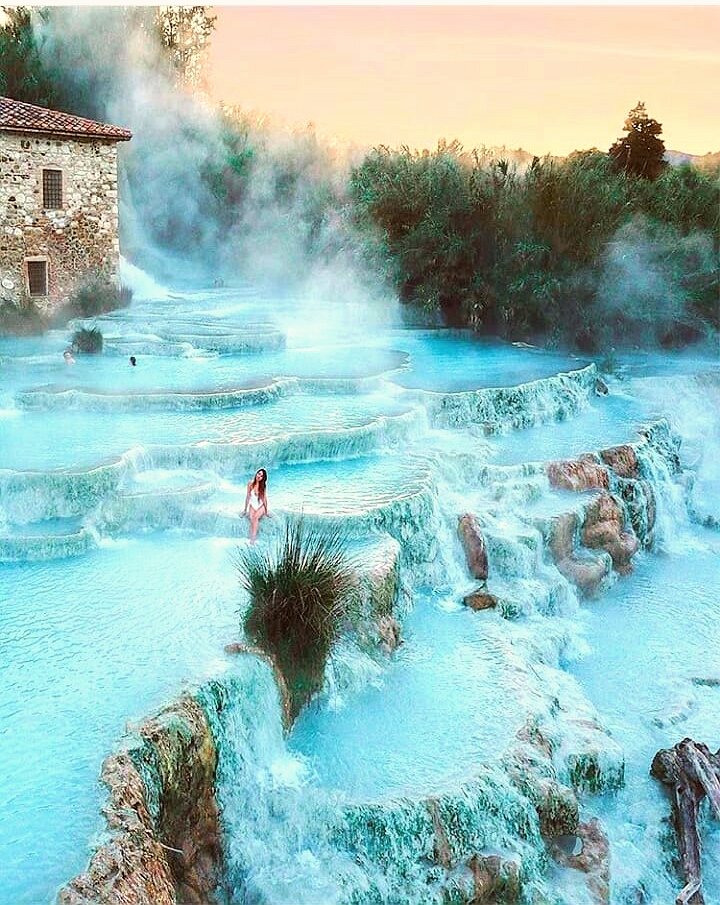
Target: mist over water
[(646, 274), (210, 194)]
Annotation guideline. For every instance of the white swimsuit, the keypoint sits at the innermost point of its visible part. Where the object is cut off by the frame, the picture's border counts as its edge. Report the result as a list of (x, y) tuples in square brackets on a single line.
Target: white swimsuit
[(255, 502)]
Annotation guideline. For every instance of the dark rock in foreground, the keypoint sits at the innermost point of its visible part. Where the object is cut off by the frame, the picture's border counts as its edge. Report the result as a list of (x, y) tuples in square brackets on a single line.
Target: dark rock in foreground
[(480, 599), (692, 772)]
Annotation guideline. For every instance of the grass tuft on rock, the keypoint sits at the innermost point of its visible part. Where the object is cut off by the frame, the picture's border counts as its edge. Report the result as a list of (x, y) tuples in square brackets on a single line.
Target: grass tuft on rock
[(301, 593), (96, 294), (88, 339), (20, 320)]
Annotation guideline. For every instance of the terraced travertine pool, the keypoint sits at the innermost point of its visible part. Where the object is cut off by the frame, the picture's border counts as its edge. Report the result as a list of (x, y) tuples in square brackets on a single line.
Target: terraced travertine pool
[(652, 670), (120, 495)]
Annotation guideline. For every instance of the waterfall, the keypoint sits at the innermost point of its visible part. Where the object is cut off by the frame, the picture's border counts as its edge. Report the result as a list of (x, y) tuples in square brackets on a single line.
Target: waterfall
[(141, 283), (289, 837), (278, 827)]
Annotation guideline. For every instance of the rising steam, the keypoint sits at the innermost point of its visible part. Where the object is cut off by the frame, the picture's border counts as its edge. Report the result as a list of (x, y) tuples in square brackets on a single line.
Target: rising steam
[(647, 277), (287, 228)]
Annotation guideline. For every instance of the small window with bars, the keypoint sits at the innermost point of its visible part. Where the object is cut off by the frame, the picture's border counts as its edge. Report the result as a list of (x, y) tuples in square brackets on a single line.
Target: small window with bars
[(52, 189), (37, 272)]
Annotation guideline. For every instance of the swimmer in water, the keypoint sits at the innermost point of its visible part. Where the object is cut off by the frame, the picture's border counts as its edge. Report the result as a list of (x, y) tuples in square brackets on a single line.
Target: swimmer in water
[(68, 356), (133, 360)]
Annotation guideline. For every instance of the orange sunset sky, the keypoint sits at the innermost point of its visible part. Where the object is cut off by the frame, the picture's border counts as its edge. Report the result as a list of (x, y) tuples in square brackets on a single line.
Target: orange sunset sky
[(549, 79)]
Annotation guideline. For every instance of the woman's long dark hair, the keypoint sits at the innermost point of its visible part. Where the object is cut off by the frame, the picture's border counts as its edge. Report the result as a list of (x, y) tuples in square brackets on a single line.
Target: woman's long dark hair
[(261, 484)]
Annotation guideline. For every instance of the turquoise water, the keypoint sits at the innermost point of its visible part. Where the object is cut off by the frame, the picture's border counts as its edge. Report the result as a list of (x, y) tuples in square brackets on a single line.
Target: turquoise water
[(605, 422), (127, 493), (87, 644), (655, 641), (451, 361), (36, 439), (39, 363), (347, 487), (451, 699)]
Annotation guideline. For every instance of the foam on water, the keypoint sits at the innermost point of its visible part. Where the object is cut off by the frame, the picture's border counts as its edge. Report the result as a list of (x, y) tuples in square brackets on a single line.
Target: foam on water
[(663, 622), (50, 439)]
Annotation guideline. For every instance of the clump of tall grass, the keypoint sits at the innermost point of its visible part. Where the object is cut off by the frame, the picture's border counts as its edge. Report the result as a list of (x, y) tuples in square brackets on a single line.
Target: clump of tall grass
[(96, 294), (301, 593), (87, 339), (20, 320)]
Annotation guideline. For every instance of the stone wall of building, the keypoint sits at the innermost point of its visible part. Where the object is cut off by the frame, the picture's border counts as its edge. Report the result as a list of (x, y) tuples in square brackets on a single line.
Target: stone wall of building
[(81, 236)]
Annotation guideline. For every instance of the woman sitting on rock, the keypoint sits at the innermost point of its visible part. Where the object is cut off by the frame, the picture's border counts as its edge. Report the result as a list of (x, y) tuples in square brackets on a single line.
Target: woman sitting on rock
[(256, 501)]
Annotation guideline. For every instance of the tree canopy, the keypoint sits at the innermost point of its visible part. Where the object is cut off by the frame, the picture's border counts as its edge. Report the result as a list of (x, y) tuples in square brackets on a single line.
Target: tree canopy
[(184, 33), (574, 250), (22, 75), (640, 152)]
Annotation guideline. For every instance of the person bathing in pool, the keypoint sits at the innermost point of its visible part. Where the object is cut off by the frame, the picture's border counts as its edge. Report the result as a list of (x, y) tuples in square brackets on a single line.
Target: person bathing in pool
[(256, 501)]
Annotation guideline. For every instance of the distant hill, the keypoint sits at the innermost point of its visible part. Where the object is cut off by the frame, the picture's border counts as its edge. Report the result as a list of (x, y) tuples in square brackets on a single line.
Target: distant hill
[(523, 158), (702, 161), (487, 154)]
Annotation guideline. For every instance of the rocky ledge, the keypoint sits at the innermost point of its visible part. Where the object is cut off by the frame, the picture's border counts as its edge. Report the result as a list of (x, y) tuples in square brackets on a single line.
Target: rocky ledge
[(596, 535), (163, 836), (493, 837), (163, 832), (620, 517)]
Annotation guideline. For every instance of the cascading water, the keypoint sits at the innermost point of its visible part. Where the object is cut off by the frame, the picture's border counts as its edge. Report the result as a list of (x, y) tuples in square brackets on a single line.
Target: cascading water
[(120, 493), (652, 667)]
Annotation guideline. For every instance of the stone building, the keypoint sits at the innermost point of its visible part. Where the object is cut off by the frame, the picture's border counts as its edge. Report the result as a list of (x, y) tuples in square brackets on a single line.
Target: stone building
[(58, 202)]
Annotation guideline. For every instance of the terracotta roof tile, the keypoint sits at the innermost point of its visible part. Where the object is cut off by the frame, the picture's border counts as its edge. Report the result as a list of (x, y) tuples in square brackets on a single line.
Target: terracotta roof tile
[(16, 116)]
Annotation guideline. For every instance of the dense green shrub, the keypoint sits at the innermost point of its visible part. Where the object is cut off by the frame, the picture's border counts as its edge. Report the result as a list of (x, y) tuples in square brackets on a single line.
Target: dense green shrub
[(685, 197), (301, 592), (88, 340), (20, 320), (431, 212), (575, 204), (569, 250), (98, 295)]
